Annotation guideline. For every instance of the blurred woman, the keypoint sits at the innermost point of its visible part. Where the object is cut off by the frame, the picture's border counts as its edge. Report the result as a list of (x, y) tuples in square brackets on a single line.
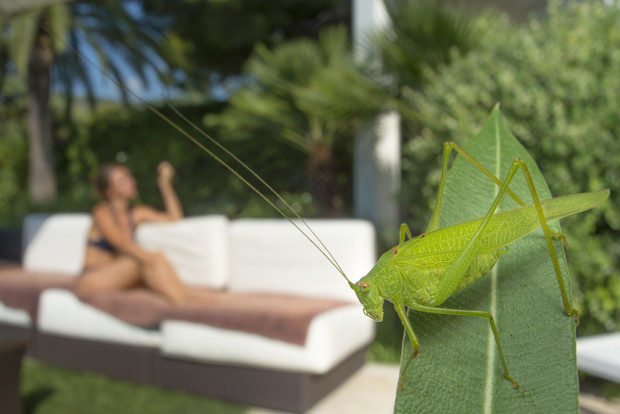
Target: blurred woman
[(114, 261)]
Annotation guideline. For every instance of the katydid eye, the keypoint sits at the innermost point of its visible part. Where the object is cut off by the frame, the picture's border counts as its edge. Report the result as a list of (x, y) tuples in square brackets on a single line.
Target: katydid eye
[(364, 285), (394, 251)]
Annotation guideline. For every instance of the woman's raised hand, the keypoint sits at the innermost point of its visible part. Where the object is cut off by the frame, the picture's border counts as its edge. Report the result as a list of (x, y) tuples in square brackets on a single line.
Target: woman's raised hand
[(165, 172)]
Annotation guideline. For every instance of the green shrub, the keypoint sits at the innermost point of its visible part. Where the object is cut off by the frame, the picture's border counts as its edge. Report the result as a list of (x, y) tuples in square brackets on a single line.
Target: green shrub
[(139, 139), (558, 84), (13, 162)]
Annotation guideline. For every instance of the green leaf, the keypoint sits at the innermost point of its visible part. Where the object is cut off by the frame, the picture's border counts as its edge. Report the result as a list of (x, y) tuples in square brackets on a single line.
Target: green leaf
[(59, 22), (458, 368), (21, 39)]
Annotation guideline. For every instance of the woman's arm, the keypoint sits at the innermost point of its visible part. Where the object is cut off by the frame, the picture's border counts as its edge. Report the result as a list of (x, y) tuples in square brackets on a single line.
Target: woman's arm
[(171, 201), (174, 211)]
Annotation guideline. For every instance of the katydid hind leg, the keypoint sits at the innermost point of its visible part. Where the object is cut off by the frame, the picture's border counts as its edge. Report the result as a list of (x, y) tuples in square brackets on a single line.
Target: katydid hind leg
[(415, 344), (549, 234), (433, 224), (479, 314), (467, 156), (404, 232), (568, 308), (458, 268), (447, 149)]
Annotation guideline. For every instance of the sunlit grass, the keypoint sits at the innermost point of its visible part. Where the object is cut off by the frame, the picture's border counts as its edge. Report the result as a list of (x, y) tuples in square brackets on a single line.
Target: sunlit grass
[(50, 390)]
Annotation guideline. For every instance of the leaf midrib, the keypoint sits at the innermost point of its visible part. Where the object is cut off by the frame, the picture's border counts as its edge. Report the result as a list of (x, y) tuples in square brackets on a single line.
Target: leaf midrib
[(491, 359)]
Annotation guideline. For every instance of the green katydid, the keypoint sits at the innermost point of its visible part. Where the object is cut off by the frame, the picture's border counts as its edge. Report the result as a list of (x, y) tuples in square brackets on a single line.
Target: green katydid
[(422, 272)]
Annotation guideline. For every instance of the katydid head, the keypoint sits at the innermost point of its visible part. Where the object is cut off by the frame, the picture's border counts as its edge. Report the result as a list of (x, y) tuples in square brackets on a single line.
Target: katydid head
[(368, 294)]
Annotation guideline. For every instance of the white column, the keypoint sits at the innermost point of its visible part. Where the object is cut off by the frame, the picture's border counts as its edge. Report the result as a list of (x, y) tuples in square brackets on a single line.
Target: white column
[(377, 153)]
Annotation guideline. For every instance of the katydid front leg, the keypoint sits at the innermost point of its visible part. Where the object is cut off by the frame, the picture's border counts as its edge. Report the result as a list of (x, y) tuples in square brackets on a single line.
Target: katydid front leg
[(402, 314)]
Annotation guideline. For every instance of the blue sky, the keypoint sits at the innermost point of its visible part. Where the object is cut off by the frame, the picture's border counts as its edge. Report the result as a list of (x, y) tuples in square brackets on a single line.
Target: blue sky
[(102, 81), (105, 88)]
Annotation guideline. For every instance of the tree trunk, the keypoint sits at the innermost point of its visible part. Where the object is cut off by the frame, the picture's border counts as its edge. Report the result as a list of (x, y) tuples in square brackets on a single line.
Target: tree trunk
[(322, 172), (41, 154)]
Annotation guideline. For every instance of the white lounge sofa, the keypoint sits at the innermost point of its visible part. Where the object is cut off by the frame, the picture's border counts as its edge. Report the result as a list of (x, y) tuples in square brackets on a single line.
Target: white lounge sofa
[(599, 355), (243, 262)]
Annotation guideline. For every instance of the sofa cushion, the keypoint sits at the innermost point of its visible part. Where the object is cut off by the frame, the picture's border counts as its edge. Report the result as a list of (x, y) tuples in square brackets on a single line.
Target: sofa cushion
[(56, 243), (284, 318), (14, 316), (140, 307), (20, 291), (332, 337), (197, 248), (270, 255), (62, 313)]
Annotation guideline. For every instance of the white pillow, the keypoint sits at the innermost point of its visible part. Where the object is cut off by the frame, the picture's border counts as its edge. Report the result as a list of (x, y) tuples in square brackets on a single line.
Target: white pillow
[(56, 243), (270, 255), (196, 247)]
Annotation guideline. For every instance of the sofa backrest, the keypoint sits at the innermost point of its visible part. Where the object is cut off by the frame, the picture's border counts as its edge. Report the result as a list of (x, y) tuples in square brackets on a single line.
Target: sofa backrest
[(197, 248), (245, 255), (270, 255), (55, 243)]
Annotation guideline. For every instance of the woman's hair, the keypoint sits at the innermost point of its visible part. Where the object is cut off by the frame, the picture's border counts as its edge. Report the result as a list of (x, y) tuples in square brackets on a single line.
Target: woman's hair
[(102, 182)]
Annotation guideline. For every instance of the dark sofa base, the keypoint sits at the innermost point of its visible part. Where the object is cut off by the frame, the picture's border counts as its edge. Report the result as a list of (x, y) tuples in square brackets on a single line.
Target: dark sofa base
[(17, 332), (120, 361), (280, 390)]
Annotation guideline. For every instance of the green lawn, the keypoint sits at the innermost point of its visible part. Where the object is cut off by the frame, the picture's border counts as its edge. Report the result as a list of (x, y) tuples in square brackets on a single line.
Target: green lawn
[(50, 390)]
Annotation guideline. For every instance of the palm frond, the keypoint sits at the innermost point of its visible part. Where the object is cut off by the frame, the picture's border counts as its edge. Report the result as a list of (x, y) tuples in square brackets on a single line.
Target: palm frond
[(21, 39), (343, 93), (334, 44), (79, 69), (424, 35), (59, 24), (287, 66)]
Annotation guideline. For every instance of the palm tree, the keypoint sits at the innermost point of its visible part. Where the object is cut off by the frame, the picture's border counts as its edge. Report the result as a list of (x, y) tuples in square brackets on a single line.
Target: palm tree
[(424, 36), (48, 43), (276, 103), (32, 49)]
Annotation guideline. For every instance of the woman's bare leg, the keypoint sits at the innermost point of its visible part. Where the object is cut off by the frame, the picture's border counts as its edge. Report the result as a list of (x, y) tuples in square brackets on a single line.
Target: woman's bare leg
[(120, 274), (159, 275), (125, 272)]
